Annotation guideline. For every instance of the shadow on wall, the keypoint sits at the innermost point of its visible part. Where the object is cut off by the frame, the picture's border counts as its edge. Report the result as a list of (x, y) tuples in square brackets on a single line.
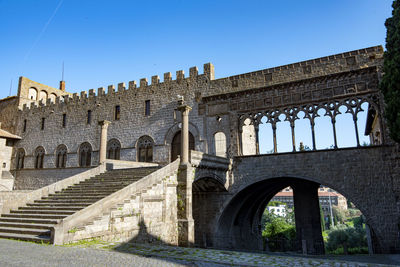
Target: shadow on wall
[(144, 239)]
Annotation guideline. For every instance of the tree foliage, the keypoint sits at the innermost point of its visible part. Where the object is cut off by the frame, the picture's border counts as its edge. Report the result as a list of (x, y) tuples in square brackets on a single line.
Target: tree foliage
[(390, 84), (279, 232), (346, 237)]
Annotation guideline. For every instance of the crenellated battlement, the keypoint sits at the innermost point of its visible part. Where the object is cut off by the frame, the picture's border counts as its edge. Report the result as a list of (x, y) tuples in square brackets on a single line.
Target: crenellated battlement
[(206, 82), (155, 83)]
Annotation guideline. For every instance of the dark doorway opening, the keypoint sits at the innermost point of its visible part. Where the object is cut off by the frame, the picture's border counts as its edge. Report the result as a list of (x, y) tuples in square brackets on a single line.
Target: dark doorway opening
[(176, 145)]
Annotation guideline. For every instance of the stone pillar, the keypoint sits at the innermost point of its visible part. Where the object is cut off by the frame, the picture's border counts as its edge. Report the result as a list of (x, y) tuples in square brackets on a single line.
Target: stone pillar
[(184, 188), (103, 141), (274, 137), (257, 130), (184, 109), (293, 136), (308, 218), (313, 133), (334, 132)]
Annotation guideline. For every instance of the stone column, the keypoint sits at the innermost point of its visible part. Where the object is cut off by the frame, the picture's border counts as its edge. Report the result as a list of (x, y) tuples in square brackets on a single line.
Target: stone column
[(184, 109), (308, 218), (313, 133), (274, 137), (257, 129), (184, 188), (334, 132), (293, 136), (103, 141)]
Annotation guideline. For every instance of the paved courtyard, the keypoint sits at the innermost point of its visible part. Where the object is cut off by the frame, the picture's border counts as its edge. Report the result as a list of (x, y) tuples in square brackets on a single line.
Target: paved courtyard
[(97, 253)]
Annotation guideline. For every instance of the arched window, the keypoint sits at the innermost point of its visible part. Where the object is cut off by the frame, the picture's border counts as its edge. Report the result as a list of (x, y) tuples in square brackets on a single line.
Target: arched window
[(113, 149), (220, 144), (145, 149), (52, 97), (20, 159), (43, 96), (85, 155), (32, 94), (61, 156), (39, 157)]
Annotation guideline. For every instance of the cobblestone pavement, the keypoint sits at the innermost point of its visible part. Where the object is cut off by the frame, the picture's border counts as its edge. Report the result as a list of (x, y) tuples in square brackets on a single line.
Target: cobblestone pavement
[(98, 253)]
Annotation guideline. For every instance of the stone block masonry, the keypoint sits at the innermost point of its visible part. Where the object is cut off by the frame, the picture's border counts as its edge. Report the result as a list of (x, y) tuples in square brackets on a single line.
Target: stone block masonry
[(133, 123)]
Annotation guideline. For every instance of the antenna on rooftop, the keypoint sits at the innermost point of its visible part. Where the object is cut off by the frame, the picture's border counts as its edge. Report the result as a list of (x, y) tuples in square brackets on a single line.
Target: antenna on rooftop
[(62, 78), (10, 87)]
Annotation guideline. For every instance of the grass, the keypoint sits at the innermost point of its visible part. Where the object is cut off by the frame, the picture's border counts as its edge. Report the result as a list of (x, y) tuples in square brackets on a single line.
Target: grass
[(94, 242)]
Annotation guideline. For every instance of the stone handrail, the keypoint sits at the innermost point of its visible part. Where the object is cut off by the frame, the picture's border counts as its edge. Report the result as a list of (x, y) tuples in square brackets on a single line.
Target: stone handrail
[(9, 201), (58, 233)]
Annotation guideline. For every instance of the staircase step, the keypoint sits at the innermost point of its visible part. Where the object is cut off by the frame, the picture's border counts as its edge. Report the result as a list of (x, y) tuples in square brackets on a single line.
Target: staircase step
[(28, 220), (25, 225), (77, 197), (69, 208), (34, 221), (62, 204), (33, 216), (66, 201), (32, 238), (83, 194), (43, 211), (24, 231)]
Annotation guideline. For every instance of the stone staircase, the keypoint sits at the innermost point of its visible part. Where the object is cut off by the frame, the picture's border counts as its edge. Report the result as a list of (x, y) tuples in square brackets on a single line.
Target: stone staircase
[(34, 221)]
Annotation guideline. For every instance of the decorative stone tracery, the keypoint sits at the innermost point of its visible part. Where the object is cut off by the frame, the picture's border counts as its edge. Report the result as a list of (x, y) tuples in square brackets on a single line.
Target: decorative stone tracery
[(331, 109), (113, 149), (145, 149)]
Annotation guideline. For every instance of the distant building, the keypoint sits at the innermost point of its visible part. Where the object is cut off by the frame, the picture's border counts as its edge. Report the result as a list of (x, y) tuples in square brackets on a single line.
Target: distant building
[(326, 197), (277, 210)]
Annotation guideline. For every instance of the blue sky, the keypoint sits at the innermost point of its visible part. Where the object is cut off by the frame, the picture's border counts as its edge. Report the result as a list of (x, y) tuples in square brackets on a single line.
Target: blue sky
[(107, 42)]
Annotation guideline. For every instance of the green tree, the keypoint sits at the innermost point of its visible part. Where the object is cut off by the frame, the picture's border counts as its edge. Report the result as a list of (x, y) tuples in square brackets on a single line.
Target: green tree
[(321, 214), (346, 237), (390, 84)]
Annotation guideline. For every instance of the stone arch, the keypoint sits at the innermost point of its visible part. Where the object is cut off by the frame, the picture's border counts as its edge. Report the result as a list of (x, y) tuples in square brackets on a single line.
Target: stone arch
[(176, 128), (43, 96), (204, 186), (39, 157), (32, 93), (20, 158), (145, 148), (176, 145), (203, 175), (113, 149), (237, 224), (85, 154), (53, 97), (61, 156)]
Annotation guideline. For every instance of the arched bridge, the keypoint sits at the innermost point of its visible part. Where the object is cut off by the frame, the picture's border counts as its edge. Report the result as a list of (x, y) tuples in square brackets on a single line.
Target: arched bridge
[(228, 204)]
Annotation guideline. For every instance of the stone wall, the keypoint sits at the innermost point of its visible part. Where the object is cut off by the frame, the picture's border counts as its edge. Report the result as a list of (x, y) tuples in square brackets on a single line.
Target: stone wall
[(31, 179), (6, 179), (9, 113), (353, 172), (23, 92), (144, 211), (163, 121)]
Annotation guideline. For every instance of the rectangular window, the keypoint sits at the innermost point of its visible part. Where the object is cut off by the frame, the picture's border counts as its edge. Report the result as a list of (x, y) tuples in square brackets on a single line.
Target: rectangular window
[(43, 120), (24, 129), (64, 120), (147, 108), (117, 113), (89, 116)]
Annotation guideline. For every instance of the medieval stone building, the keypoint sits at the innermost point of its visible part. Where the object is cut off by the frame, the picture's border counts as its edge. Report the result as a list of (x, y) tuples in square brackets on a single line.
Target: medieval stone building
[(58, 135)]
